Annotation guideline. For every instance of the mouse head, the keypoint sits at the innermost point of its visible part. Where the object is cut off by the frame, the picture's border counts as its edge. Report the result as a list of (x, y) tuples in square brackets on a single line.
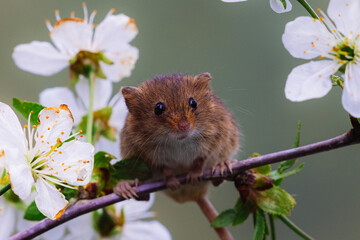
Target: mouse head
[(173, 105)]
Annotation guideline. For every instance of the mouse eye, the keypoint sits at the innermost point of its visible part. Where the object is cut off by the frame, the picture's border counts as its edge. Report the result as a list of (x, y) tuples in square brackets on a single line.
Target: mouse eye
[(159, 108), (192, 103)]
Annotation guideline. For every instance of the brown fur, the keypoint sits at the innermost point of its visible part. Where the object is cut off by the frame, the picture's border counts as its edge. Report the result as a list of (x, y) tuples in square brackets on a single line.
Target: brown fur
[(214, 133)]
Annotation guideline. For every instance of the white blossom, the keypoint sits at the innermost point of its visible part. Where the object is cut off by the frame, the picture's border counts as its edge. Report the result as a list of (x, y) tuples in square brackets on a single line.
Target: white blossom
[(276, 5), (44, 154), (75, 38), (79, 106), (336, 42)]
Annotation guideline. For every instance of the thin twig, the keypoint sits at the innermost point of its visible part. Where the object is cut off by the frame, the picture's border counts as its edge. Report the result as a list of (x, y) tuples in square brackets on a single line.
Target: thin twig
[(295, 228), (82, 207)]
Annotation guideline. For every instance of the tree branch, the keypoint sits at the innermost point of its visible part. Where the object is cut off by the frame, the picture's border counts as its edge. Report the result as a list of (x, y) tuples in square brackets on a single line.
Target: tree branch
[(86, 206)]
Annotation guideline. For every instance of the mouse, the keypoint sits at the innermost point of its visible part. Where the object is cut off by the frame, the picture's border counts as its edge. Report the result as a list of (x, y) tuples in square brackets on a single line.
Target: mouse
[(176, 124)]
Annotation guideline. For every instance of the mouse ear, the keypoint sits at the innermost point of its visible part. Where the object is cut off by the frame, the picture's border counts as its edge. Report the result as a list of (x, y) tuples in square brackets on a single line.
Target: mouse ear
[(129, 94), (203, 79)]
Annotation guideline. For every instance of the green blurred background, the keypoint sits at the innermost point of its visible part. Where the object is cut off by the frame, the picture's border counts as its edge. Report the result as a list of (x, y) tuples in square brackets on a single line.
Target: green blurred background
[(240, 45)]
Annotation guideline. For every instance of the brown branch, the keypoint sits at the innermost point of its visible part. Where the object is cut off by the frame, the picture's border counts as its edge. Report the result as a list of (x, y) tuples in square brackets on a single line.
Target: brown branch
[(82, 207)]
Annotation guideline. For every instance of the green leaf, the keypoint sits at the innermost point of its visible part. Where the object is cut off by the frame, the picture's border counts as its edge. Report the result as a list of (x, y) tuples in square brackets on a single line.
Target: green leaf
[(69, 193), (242, 212), (275, 201), (103, 222), (283, 3), (260, 225), (277, 176), (32, 213), (129, 169), (102, 159), (265, 169), (224, 218), (25, 107)]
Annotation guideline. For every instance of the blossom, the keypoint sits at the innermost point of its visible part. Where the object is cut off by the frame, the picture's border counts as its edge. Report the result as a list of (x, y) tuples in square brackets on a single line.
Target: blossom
[(336, 42), (42, 154), (7, 219), (102, 100), (128, 217), (77, 43), (276, 5)]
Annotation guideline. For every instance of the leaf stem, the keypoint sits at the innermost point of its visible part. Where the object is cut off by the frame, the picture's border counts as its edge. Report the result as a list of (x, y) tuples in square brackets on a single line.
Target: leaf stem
[(89, 123), (295, 228), (272, 227), (5, 189), (308, 8)]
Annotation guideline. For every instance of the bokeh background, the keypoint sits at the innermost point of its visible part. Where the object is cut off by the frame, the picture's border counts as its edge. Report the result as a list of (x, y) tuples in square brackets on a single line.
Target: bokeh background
[(240, 45)]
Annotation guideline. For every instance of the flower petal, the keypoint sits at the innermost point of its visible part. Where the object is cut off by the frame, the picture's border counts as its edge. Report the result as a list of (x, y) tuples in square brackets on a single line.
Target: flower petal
[(310, 80), (7, 219), (124, 59), (108, 146), (70, 35), (73, 163), (62, 95), (21, 178), (278, 7), (102, 92), (39, 58), (80, 228), (55, 123), (351, 93), (307, 38), (152, 230), (345, 14), (114, 30), (119, 112), (135, 210), (11, 132), (49, 200)]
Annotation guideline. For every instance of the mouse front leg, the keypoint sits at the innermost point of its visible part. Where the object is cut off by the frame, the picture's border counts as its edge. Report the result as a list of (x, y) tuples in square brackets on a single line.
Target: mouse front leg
[(170, 179), (126, 190), (196, 171)]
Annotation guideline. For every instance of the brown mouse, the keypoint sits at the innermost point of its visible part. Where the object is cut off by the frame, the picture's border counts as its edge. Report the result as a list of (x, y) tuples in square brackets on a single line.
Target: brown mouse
[(176, 124)]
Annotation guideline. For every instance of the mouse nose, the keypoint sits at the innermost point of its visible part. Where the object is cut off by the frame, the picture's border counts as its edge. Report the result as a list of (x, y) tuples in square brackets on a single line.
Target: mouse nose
[(183, 125)]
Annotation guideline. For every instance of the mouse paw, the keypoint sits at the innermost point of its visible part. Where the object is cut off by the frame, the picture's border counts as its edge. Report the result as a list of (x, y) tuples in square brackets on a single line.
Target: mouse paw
[(194, 177), (172, 183), (222, 166), (125, 190)]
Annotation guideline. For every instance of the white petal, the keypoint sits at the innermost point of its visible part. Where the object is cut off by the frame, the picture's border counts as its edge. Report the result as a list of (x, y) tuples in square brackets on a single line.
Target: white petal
[(70, 35), (124, 59), (49, 200), (351, 93), (135, 210), (152, 230), (114, 30), (7, 219), (20, 173), (306, 38), (62, 95), (108, 146), (40, 58), (345, 14), (278, 7), (102, 92), (80, 228), (72, 162), (56, 233), (119, 112), (310, 80), (55, 123), (11, 132)]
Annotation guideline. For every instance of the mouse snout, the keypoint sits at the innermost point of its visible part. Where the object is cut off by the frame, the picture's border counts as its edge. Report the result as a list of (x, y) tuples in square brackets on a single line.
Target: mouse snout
[(183, 125)]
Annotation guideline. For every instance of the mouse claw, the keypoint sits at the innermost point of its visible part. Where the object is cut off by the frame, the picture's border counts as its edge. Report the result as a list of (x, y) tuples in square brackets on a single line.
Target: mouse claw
[(222, 166), (125, 190), (172, 183), (194, 177)]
